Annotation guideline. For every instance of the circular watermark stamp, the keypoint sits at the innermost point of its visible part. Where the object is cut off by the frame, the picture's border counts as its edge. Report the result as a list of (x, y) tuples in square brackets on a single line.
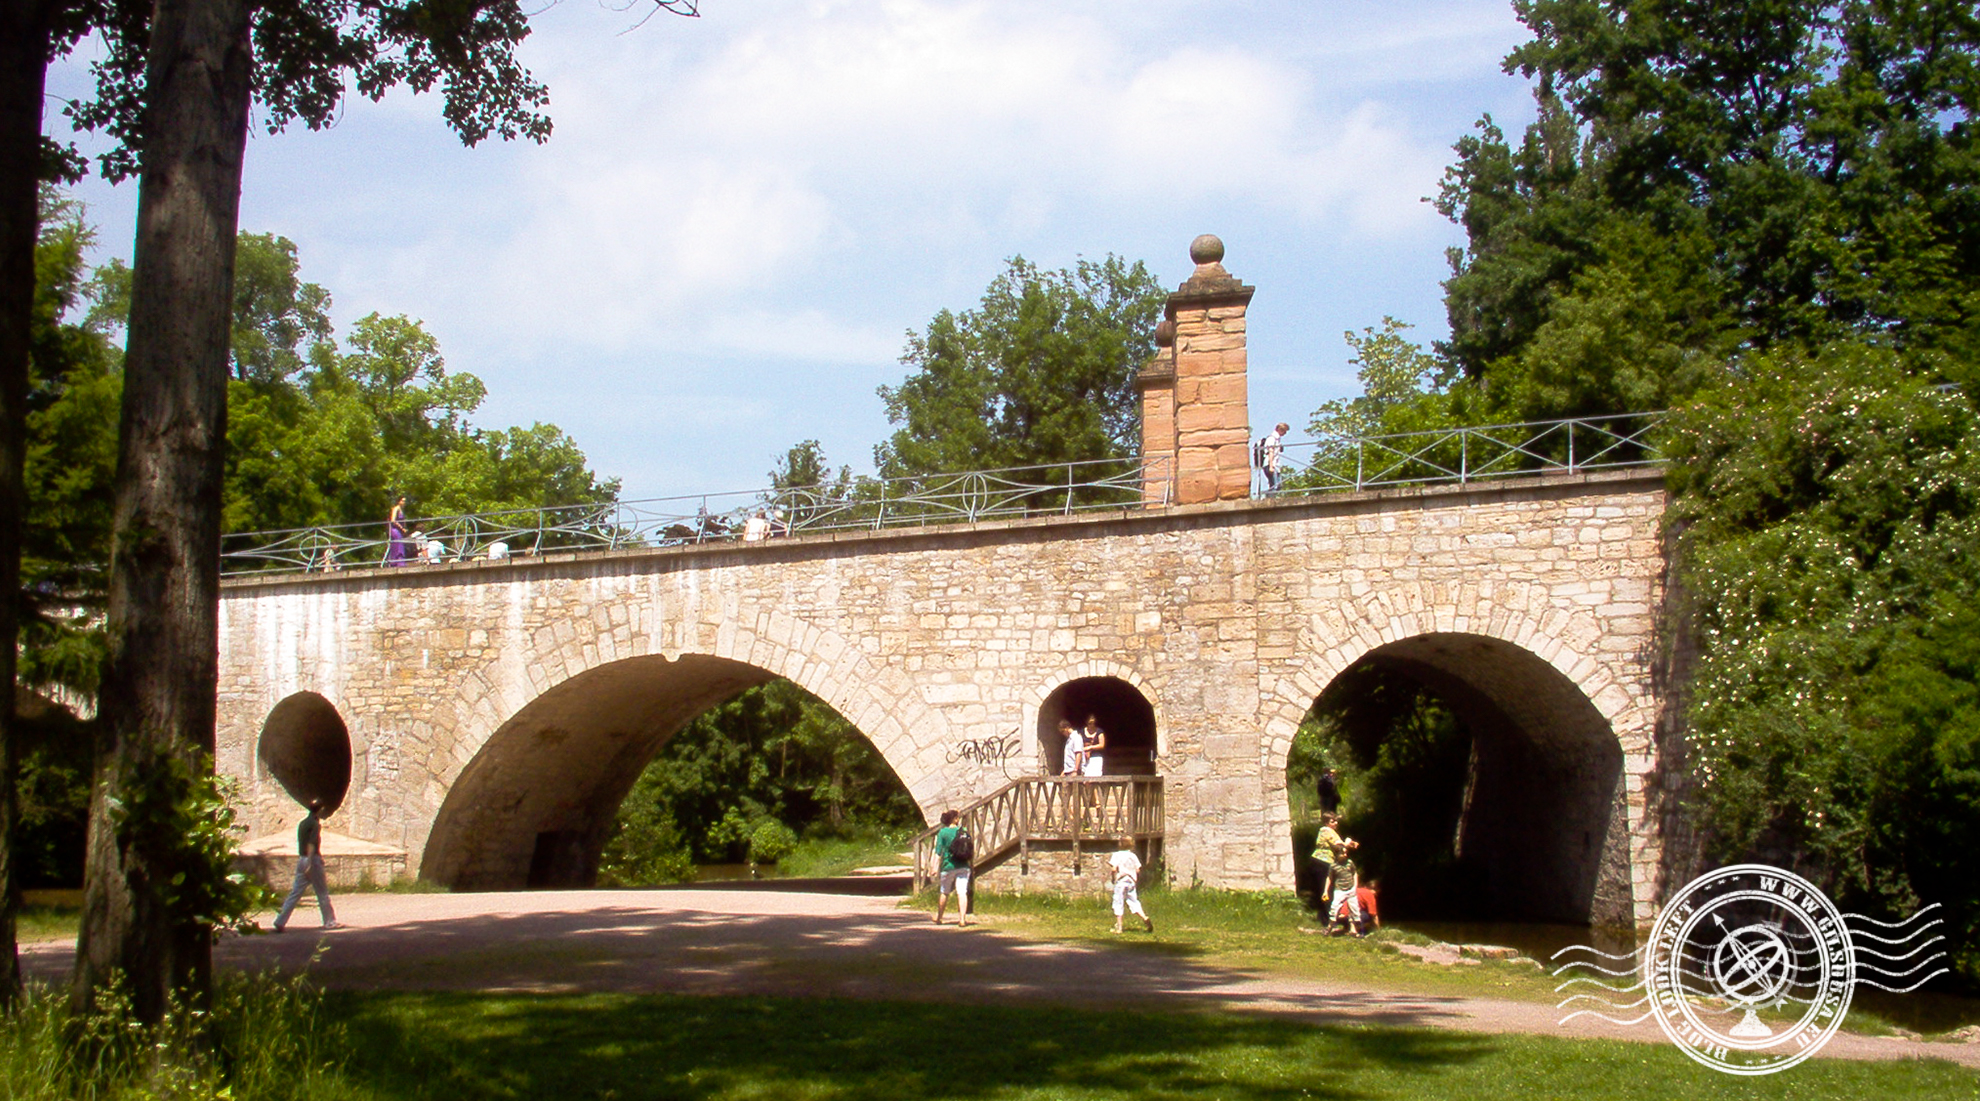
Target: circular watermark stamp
[(1749, 969)]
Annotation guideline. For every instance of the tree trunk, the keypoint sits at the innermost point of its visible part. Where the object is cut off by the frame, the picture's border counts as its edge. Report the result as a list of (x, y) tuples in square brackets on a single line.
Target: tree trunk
[(159, 684), (23, 72)]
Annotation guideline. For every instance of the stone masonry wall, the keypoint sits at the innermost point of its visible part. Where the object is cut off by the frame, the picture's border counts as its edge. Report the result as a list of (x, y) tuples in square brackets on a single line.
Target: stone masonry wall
[(1230, 618)]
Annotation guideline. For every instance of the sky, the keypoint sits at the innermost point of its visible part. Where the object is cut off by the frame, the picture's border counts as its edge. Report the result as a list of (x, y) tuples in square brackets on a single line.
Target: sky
[(739, 217)]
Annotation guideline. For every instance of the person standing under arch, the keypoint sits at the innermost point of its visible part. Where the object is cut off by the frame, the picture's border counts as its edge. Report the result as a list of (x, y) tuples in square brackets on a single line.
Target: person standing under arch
[(1094, 761), (1072, 758)]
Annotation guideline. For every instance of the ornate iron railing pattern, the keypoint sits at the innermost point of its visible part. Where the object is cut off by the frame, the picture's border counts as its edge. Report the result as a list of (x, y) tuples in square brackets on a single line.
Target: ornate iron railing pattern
[(1443, 456), (857, 504)]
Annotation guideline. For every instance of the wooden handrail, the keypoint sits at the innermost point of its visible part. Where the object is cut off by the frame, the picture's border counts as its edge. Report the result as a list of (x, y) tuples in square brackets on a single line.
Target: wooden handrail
[(1051, 808)]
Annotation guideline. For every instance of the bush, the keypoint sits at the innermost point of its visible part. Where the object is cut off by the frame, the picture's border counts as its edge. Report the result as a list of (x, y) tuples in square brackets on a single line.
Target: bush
[(770, 842)]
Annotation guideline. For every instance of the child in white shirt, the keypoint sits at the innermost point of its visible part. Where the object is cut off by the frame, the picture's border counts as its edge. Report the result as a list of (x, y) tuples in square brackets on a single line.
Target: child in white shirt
[(1125, 875)]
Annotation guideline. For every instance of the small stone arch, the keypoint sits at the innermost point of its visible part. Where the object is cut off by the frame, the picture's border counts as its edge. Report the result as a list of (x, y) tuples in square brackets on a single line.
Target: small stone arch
[(305, 746), (1037, 709)]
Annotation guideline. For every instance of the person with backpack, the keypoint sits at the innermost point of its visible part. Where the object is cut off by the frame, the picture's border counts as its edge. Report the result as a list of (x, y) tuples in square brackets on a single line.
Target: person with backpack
[(1268, 455), (956, 848)]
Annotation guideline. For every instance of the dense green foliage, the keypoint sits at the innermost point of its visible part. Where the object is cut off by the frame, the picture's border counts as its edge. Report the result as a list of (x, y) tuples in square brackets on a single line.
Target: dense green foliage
[(742, 780), (1767, 217), (322, 435), (262, 1038), (1041, 371), (1402, 758), (317, 434)]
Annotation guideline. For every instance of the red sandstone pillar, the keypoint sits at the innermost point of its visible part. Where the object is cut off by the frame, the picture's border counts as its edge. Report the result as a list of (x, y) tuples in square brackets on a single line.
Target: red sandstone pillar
[(1157, 382), (1211, 401)]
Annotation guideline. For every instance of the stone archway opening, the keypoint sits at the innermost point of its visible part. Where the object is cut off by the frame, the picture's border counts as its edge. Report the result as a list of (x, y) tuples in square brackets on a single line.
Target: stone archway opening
[(540, 800), (306, 747), (1483, 784), (1123, 713)]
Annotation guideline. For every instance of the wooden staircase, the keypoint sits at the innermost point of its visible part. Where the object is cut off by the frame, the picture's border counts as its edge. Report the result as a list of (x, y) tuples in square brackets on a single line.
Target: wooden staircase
[(1092, 813)]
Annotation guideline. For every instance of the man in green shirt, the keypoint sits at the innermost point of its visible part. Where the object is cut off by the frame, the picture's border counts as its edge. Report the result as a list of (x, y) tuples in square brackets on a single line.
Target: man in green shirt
[(309, 870), (955, 874)]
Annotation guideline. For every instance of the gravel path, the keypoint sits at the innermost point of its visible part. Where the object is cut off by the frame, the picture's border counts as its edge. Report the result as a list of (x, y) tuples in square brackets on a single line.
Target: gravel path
[(765, 942)]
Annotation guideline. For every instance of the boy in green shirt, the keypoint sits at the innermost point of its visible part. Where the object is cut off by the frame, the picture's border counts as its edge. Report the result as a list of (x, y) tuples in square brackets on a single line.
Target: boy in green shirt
[(955, 874)]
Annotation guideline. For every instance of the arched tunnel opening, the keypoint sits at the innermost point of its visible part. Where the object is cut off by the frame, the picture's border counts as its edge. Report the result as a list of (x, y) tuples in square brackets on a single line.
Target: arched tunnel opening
[(1124, 715), (640, 768), (1481, 783)]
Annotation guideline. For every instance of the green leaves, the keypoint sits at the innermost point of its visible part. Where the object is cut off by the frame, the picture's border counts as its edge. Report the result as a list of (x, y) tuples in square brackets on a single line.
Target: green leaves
[(1828, 511), (1042, 371), (773, 756)]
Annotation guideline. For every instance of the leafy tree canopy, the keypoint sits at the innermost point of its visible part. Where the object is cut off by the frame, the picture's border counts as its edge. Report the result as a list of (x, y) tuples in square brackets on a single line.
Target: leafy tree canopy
[(1041, 371), (1765, 216), (317, 433)]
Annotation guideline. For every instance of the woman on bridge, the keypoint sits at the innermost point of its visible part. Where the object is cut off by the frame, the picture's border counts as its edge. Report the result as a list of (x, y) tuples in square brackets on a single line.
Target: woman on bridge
[(396, 547)]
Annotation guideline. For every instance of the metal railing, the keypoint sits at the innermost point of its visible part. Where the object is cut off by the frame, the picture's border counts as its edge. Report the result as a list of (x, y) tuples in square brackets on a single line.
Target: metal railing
[(865, 503), (1459, 455), (1093, 812), (1472, 453)]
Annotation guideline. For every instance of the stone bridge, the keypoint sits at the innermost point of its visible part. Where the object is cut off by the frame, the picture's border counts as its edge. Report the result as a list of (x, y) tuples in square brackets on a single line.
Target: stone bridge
[(500, 711)]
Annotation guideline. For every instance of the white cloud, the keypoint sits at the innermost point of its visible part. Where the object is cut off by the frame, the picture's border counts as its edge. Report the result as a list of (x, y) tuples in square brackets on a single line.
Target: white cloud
[(789, 183)]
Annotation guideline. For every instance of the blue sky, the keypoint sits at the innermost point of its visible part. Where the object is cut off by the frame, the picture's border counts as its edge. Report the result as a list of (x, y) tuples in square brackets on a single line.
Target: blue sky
[(739, 216)]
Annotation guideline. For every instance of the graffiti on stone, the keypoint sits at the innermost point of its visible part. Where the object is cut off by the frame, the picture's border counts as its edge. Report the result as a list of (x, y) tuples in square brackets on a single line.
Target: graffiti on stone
[(1000, 752)]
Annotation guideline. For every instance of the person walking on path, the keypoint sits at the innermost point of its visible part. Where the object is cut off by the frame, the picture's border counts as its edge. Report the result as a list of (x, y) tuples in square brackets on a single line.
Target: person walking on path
[(1272, 455), (1125, 876), (309, 870), (955, 869), (397, 549)]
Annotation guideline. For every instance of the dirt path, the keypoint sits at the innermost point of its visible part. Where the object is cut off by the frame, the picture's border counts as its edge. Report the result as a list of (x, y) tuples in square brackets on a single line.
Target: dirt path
[(761, 942)]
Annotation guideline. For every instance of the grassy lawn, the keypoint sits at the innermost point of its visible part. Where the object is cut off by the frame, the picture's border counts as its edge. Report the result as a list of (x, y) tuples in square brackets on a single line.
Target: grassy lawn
[(41, 922), (626, 1047), (1261, 931), (819, 857), (1258, 931)]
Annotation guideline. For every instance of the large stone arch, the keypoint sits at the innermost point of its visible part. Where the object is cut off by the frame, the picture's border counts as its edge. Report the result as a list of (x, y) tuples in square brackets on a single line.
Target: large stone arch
[(1569, 719), (559, 762)]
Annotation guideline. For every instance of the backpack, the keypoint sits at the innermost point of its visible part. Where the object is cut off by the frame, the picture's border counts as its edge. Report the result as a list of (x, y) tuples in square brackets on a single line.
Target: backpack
[(961, 849), (1258, 453)]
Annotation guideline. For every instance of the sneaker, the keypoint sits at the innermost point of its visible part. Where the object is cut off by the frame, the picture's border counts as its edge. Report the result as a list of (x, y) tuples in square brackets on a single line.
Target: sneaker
[(1148, 923), (333, 925), (277, 928)]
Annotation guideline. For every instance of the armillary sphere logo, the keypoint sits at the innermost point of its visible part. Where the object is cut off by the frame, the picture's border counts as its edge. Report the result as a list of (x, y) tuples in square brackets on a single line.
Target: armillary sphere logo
[(1749, 969)]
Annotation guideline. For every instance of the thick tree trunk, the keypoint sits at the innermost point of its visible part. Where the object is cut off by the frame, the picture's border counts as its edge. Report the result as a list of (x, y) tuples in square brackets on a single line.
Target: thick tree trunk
[(23, 73), (157, 700)]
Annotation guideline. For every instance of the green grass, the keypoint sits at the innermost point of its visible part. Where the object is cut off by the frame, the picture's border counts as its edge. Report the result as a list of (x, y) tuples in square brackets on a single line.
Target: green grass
[(625, 1047), (263, 1038), (1258, 931), (819, 857), (39, 922)]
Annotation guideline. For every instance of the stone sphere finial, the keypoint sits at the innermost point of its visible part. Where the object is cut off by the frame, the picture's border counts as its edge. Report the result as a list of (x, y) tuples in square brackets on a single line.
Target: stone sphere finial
[(1165, 334), (1206, 249)]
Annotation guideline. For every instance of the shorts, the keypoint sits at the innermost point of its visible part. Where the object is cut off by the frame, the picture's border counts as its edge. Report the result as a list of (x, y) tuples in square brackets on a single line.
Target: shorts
[(954, 879)]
